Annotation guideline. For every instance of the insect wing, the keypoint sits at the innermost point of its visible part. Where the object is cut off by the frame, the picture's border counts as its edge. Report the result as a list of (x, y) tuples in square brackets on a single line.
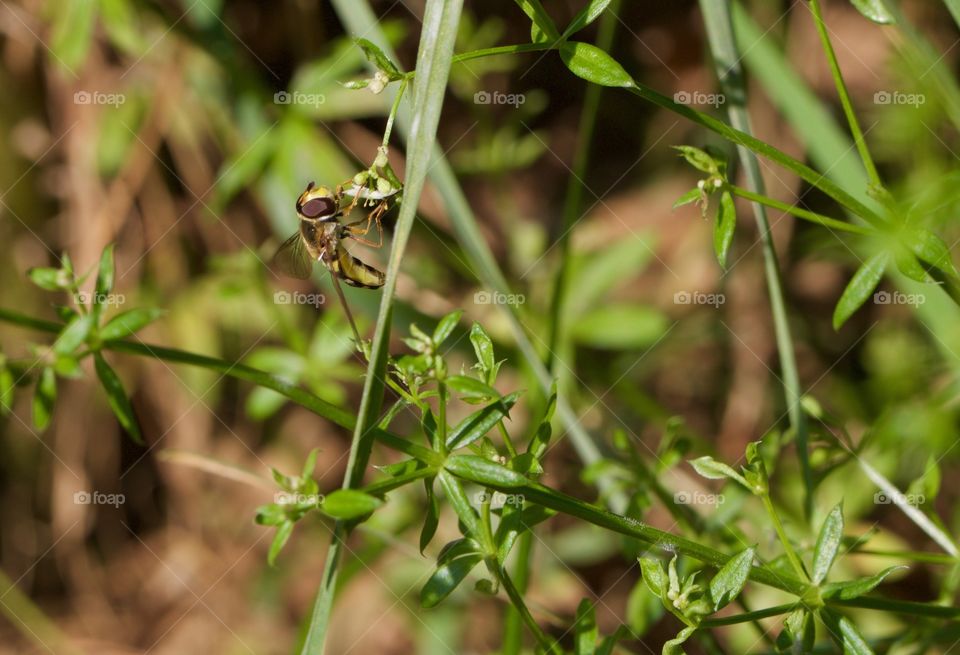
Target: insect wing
[(293, 258)]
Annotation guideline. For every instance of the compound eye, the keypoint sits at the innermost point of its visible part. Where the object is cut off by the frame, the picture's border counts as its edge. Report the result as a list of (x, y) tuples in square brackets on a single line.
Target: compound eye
[(317, 207)]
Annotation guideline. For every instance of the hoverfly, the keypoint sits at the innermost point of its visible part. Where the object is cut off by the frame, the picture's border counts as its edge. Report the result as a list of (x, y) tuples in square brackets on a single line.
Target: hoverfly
[(321, 236)]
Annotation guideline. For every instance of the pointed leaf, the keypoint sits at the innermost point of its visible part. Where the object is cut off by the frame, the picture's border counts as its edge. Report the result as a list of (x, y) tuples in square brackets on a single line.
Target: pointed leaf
[(74, 334), (347, 504), (594, 65), (482, 347), (828, 544), (711, 469), (861, 285), (690, 196), (432, 518), (44, 397), (481, 422), (483, 471), (117, 397), (856, 588), (284, 530), (126, 323), (543, 28), (471, 388), (586, 16), (445, 326), (377, 57), (729, 580), (586, 631), (932, 249), (447, 578), (723, 227), (653, 576), (875, 11)]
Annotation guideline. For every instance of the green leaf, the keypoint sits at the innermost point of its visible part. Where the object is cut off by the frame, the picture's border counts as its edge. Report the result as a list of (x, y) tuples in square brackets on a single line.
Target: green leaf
[(675, 645), (729, 580), (127, 323), (481, 422), (543, 29), (586, 16), (72, 34), (74, 334), (105, 275), (931, 249), (594, 65), (453, 488), (347, 504), (692, 195), (653, 576), (446, 326), (44, 397), (271, 514), (711, 469), (7, 386), (482, 348), (619, 327), (861, 285), (117, 397), (376, 56), (845, 633), (908, 264), (874, 10), (122, 27), (471, 388), (586, 631), (432, 518), (446, 578), (483, 471), (284, 530), (49, 279), (699, 159), (828, 544), (516, 521), (723, 227), (851, 589)]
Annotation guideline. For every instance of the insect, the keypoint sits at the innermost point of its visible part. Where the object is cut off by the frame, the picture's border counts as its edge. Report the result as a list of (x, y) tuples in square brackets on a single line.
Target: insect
[(321, 236)]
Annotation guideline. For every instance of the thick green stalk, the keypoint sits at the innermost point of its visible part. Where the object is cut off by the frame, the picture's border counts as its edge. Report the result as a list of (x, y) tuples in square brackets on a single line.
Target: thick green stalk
[(727, 62), (437, 38)]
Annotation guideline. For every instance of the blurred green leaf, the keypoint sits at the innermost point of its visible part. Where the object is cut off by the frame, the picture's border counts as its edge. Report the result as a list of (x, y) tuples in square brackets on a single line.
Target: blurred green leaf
[(471, 388), (73, 22), (586, 632), (861, 285), (432, 518), (284, 530), (117, 397), (127, 323), (586, 16), (724, 226), (379, 59), (346, 504), (619, 327), (445, 326), (7, 386), (543, 29), (653, 576), (595, 273), (594, 65), (74, 334), (828, 544), (121, 26), (729, 580), (44, 397), (931, 249), (874, 10), (49, 279)]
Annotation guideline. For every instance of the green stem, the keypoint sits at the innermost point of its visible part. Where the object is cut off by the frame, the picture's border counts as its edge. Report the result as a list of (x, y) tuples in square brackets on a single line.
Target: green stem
[(782, 534), (727, 63), (813, 217), (855, 130), (512, 633), (516, 598), (393, 111), (755, 615)]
